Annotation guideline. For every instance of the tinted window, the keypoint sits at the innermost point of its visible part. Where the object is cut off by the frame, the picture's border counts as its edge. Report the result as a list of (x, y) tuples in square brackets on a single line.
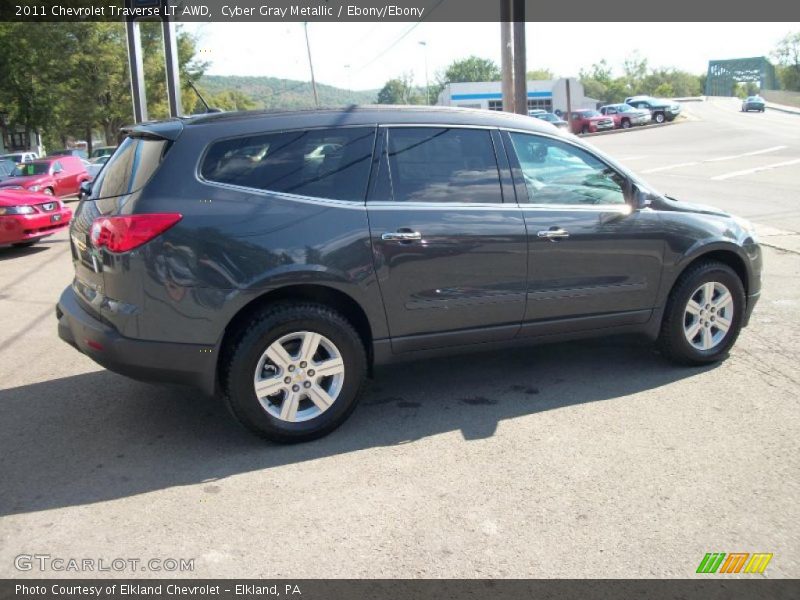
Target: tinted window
[(430, 164), (130, 168), (324, 163), (559, 173)]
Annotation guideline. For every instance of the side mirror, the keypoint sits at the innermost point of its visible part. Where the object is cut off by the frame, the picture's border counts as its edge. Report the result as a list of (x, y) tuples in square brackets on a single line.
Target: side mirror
[(85, 189), (642, 198)]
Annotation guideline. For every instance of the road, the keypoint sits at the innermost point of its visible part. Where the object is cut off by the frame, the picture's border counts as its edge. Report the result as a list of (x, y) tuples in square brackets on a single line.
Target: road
[(589, 459)]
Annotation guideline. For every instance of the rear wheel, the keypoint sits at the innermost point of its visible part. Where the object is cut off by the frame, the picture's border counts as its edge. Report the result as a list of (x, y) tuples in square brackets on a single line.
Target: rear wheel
[(658, 117), (626, 124), (295, 373), (703, 315)]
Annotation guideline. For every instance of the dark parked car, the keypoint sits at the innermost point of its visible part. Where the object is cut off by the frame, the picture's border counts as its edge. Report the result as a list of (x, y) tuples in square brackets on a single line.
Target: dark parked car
[(69, 152), (60, 176), (553, 120), (279, 279), (8, 168), (753, 103), (660, 110)]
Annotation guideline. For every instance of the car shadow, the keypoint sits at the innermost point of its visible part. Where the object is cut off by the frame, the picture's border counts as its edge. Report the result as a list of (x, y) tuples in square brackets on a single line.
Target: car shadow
[(99, 436), (9, 252)]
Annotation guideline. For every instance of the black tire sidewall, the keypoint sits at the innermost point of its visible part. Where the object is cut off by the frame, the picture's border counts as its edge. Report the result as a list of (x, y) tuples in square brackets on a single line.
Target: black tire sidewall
[(659, 118), (241, 393), (719, 273)]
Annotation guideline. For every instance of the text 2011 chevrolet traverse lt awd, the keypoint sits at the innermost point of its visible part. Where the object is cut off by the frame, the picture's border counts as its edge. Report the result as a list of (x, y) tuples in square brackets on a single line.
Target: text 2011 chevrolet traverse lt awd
[(273, 258)]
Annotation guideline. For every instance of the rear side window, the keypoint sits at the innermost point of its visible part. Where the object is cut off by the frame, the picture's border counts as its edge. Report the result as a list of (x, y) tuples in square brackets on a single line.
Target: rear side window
[(431, 164), (130, 168), (323, 163)]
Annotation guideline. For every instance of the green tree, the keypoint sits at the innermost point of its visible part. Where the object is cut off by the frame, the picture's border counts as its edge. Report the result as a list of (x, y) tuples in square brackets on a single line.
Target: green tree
[(472, 68), (540, 75), (399, 90), (787, 53)]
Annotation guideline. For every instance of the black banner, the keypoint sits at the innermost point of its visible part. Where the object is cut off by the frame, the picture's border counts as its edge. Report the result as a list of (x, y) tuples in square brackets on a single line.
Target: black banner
[(395, 10), (383, 589)]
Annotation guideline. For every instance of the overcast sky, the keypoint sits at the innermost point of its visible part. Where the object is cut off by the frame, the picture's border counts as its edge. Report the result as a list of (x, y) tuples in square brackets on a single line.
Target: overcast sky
[(374, 54)]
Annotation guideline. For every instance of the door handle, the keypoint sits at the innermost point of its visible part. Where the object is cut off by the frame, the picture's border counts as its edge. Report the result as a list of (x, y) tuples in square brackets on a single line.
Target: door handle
[(401, 236), (553, 234)]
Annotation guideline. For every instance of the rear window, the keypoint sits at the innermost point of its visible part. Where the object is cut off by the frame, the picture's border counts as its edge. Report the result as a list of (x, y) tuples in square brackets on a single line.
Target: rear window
[(323, 163), (130, 168)]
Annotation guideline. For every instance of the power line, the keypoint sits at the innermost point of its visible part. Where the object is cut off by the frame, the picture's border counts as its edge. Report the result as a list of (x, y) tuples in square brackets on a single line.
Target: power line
[(398, 40)]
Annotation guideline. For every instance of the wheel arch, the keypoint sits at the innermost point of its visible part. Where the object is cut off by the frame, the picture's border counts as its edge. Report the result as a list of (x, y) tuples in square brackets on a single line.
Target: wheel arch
[(328, 296)]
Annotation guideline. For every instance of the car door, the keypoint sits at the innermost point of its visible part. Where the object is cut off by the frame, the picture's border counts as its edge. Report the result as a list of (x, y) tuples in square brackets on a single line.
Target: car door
[(58, 173), (448, 238), (594, 260)]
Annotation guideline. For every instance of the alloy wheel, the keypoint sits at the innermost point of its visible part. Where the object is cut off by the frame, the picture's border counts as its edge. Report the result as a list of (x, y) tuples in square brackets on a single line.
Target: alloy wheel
[(299, 376), (708, 316)]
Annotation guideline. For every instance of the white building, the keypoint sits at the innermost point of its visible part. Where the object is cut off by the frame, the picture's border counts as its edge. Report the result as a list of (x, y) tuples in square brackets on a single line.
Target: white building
[(549, 95)]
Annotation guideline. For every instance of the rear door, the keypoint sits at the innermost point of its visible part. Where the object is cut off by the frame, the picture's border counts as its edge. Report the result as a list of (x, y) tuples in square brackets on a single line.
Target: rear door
[(448, 238), (593, 260)]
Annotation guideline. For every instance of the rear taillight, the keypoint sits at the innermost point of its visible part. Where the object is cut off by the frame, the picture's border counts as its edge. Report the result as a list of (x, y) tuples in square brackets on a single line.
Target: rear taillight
[(120, 234)]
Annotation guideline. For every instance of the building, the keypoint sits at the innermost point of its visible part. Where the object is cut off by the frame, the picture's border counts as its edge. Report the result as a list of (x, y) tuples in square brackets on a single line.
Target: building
[(550, 95)]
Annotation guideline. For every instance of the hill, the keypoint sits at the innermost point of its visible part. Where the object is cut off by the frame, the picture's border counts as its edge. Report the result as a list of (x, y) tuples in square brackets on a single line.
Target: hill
[(272, 92)]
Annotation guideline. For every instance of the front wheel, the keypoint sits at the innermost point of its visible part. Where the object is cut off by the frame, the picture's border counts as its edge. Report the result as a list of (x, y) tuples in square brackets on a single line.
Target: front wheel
[(659, 117), (294, 373), (703, 315), (585, 129), (626, 124)]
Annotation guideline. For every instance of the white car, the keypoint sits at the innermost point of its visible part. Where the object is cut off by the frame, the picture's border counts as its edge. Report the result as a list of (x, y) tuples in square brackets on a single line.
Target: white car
[(20, 157)]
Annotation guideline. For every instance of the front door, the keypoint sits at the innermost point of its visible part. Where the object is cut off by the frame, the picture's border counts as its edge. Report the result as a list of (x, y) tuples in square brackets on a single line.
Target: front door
[(594, 261), (450, 254)]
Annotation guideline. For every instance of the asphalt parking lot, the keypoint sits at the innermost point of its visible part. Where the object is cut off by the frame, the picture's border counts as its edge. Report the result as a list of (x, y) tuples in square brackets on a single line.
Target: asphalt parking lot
[(588, 459)]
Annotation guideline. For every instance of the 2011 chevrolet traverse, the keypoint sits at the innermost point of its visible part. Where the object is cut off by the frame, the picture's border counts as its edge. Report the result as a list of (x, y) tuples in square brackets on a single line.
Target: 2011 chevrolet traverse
[(275, 257)]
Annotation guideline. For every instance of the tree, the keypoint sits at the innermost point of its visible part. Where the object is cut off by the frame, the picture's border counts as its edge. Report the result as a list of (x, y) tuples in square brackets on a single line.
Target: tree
[(787, 53), (539, 75), (399, 91), (472, 69)]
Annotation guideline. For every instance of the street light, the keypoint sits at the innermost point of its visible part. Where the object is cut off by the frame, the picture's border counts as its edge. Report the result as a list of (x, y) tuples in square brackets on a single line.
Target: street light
[(424, 45)]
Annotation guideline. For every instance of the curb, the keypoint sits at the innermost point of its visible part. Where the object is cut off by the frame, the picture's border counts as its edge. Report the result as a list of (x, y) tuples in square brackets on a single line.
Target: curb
[(636, 128), (788, 111)]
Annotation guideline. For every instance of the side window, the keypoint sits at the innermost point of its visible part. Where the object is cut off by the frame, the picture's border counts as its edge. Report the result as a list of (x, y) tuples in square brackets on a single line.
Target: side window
[(57, 167), (559, 173), (323, 163), (431, 164)]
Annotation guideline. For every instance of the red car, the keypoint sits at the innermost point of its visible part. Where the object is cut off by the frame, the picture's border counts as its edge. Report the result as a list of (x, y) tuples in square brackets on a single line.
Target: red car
[(56, 176), (27, 217), (590, 121)]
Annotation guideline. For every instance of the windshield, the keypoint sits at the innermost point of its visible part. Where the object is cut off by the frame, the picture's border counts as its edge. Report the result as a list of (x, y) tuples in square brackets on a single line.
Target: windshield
[(586, 114), (15, 157), (35, 168), (548, 117)]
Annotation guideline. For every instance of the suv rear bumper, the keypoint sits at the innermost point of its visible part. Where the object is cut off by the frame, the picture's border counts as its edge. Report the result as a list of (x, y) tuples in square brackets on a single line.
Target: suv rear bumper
[(188, 364)]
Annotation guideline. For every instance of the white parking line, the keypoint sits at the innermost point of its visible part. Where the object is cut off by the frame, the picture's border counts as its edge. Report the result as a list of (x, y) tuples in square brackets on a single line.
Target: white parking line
[(632, 158), (668, 167), (764, 151), (785, 163)]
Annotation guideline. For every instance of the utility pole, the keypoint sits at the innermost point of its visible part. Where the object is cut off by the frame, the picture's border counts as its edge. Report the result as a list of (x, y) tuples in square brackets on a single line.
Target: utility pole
[(311, 66), (520, 67), (506, 55), (424, 45), (349, 84)]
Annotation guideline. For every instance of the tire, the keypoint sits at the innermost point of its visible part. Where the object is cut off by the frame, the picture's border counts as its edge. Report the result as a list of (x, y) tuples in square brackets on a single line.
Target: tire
[(626, 124), (658, 117), (678, 323), (585, 129), (286, 326)]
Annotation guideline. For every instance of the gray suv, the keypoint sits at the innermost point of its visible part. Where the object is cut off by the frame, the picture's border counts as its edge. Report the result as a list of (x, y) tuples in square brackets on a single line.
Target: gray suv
[(275, 258)]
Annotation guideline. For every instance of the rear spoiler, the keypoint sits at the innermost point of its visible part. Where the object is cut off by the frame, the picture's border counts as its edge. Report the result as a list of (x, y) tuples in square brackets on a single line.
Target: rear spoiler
[(158, 130)]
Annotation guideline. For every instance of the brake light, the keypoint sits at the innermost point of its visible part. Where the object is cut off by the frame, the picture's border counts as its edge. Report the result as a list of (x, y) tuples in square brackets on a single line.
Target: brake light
[(121, 234)]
